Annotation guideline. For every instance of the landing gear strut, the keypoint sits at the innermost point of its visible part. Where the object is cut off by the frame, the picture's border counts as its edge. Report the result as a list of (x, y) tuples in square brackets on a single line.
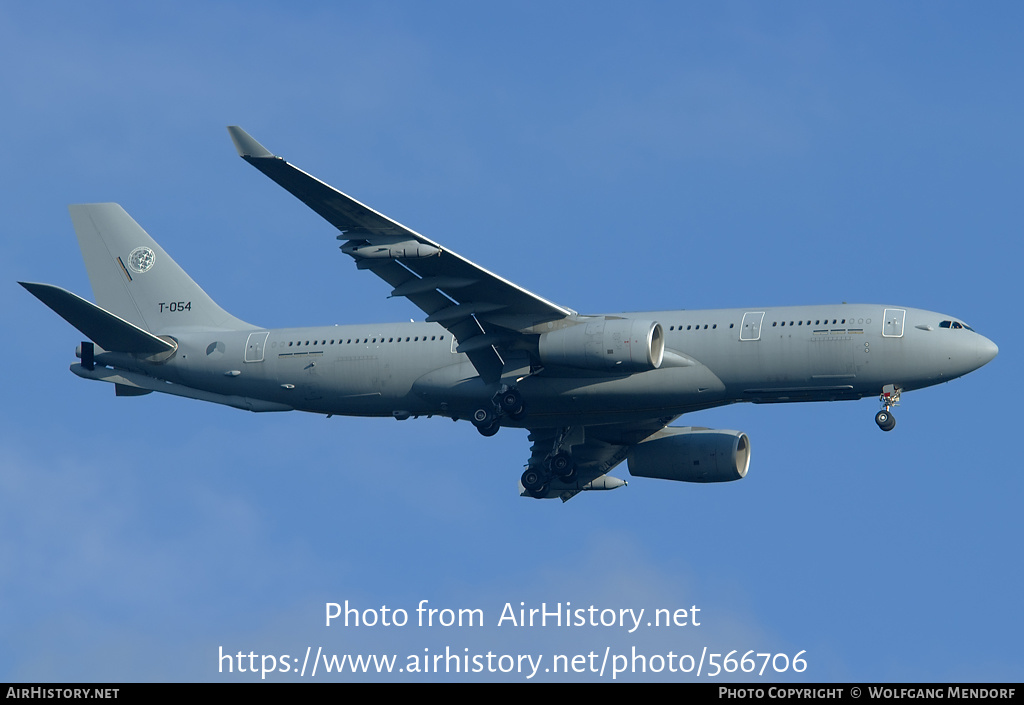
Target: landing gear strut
[(558, 464), (561, 464), (508, 401), (890, 397), (511, 402), (534, 482)]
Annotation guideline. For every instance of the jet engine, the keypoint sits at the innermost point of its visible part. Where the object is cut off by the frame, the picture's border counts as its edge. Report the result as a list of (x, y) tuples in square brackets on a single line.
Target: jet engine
[(621, 344), (692, 455)]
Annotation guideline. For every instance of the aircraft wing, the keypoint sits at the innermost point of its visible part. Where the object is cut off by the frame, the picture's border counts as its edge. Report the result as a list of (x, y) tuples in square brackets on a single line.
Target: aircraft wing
[(596, 451), (482, 310)]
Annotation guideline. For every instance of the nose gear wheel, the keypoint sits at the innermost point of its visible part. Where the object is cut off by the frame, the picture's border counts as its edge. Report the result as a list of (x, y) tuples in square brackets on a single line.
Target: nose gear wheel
[(885, 420), (889, 398)]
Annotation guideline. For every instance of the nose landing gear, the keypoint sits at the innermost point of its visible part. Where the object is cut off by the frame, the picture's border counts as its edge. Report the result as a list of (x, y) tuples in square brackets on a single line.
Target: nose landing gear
[(885, 420), (890, 397)]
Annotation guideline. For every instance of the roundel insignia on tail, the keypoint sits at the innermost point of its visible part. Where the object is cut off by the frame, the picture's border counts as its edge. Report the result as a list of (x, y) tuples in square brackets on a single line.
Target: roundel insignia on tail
[(141, 259)]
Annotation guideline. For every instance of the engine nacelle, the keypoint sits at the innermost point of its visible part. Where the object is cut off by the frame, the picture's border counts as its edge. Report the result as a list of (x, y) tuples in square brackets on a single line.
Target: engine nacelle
[(692, 455), (624, 344)]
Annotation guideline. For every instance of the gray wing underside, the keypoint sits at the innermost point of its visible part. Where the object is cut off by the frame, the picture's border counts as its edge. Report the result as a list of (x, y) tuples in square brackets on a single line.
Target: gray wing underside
[(482, 310), (596, 450)]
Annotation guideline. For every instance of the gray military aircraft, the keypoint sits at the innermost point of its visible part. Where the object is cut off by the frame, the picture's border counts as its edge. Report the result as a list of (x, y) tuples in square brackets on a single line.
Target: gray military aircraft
[(593, 390)]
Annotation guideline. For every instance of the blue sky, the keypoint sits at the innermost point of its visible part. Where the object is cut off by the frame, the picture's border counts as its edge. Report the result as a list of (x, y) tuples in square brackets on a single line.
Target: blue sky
[(669, 156)]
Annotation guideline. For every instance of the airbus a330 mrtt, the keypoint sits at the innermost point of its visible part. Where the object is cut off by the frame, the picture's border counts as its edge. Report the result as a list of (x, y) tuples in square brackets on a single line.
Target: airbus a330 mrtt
[(593, 390)]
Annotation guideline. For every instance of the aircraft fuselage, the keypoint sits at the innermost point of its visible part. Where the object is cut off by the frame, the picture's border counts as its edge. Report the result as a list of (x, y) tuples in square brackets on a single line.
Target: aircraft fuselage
[(593, 391), (712, 358)]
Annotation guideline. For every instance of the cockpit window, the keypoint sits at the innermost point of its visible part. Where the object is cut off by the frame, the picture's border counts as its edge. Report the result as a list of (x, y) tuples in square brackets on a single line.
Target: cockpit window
[(955, 325)]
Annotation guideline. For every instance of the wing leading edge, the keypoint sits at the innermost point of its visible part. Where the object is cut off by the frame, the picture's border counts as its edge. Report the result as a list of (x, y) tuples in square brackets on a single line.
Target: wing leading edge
[(483, 311)]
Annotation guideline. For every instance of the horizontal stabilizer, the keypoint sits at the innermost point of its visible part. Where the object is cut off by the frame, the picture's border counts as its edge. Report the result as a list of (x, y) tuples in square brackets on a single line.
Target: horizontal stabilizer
[(110, 332)]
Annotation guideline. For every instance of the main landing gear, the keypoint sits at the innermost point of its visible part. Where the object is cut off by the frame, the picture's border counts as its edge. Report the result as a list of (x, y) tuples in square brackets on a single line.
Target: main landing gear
[(890, 397), (508, 401), (558, 464)]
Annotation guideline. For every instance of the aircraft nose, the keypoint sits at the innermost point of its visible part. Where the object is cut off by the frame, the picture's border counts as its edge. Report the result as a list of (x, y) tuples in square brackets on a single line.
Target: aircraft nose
[(986, 351)]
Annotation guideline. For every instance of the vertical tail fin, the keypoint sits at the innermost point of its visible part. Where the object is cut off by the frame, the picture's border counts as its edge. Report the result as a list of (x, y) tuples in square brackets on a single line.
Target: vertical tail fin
[(134, 278)]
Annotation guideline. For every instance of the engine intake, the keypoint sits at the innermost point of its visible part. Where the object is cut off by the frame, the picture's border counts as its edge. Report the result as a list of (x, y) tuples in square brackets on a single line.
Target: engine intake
[(624, 344), (692, 455)]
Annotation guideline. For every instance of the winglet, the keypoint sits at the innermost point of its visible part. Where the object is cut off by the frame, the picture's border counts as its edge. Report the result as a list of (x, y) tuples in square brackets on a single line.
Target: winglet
[(246, 145)]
